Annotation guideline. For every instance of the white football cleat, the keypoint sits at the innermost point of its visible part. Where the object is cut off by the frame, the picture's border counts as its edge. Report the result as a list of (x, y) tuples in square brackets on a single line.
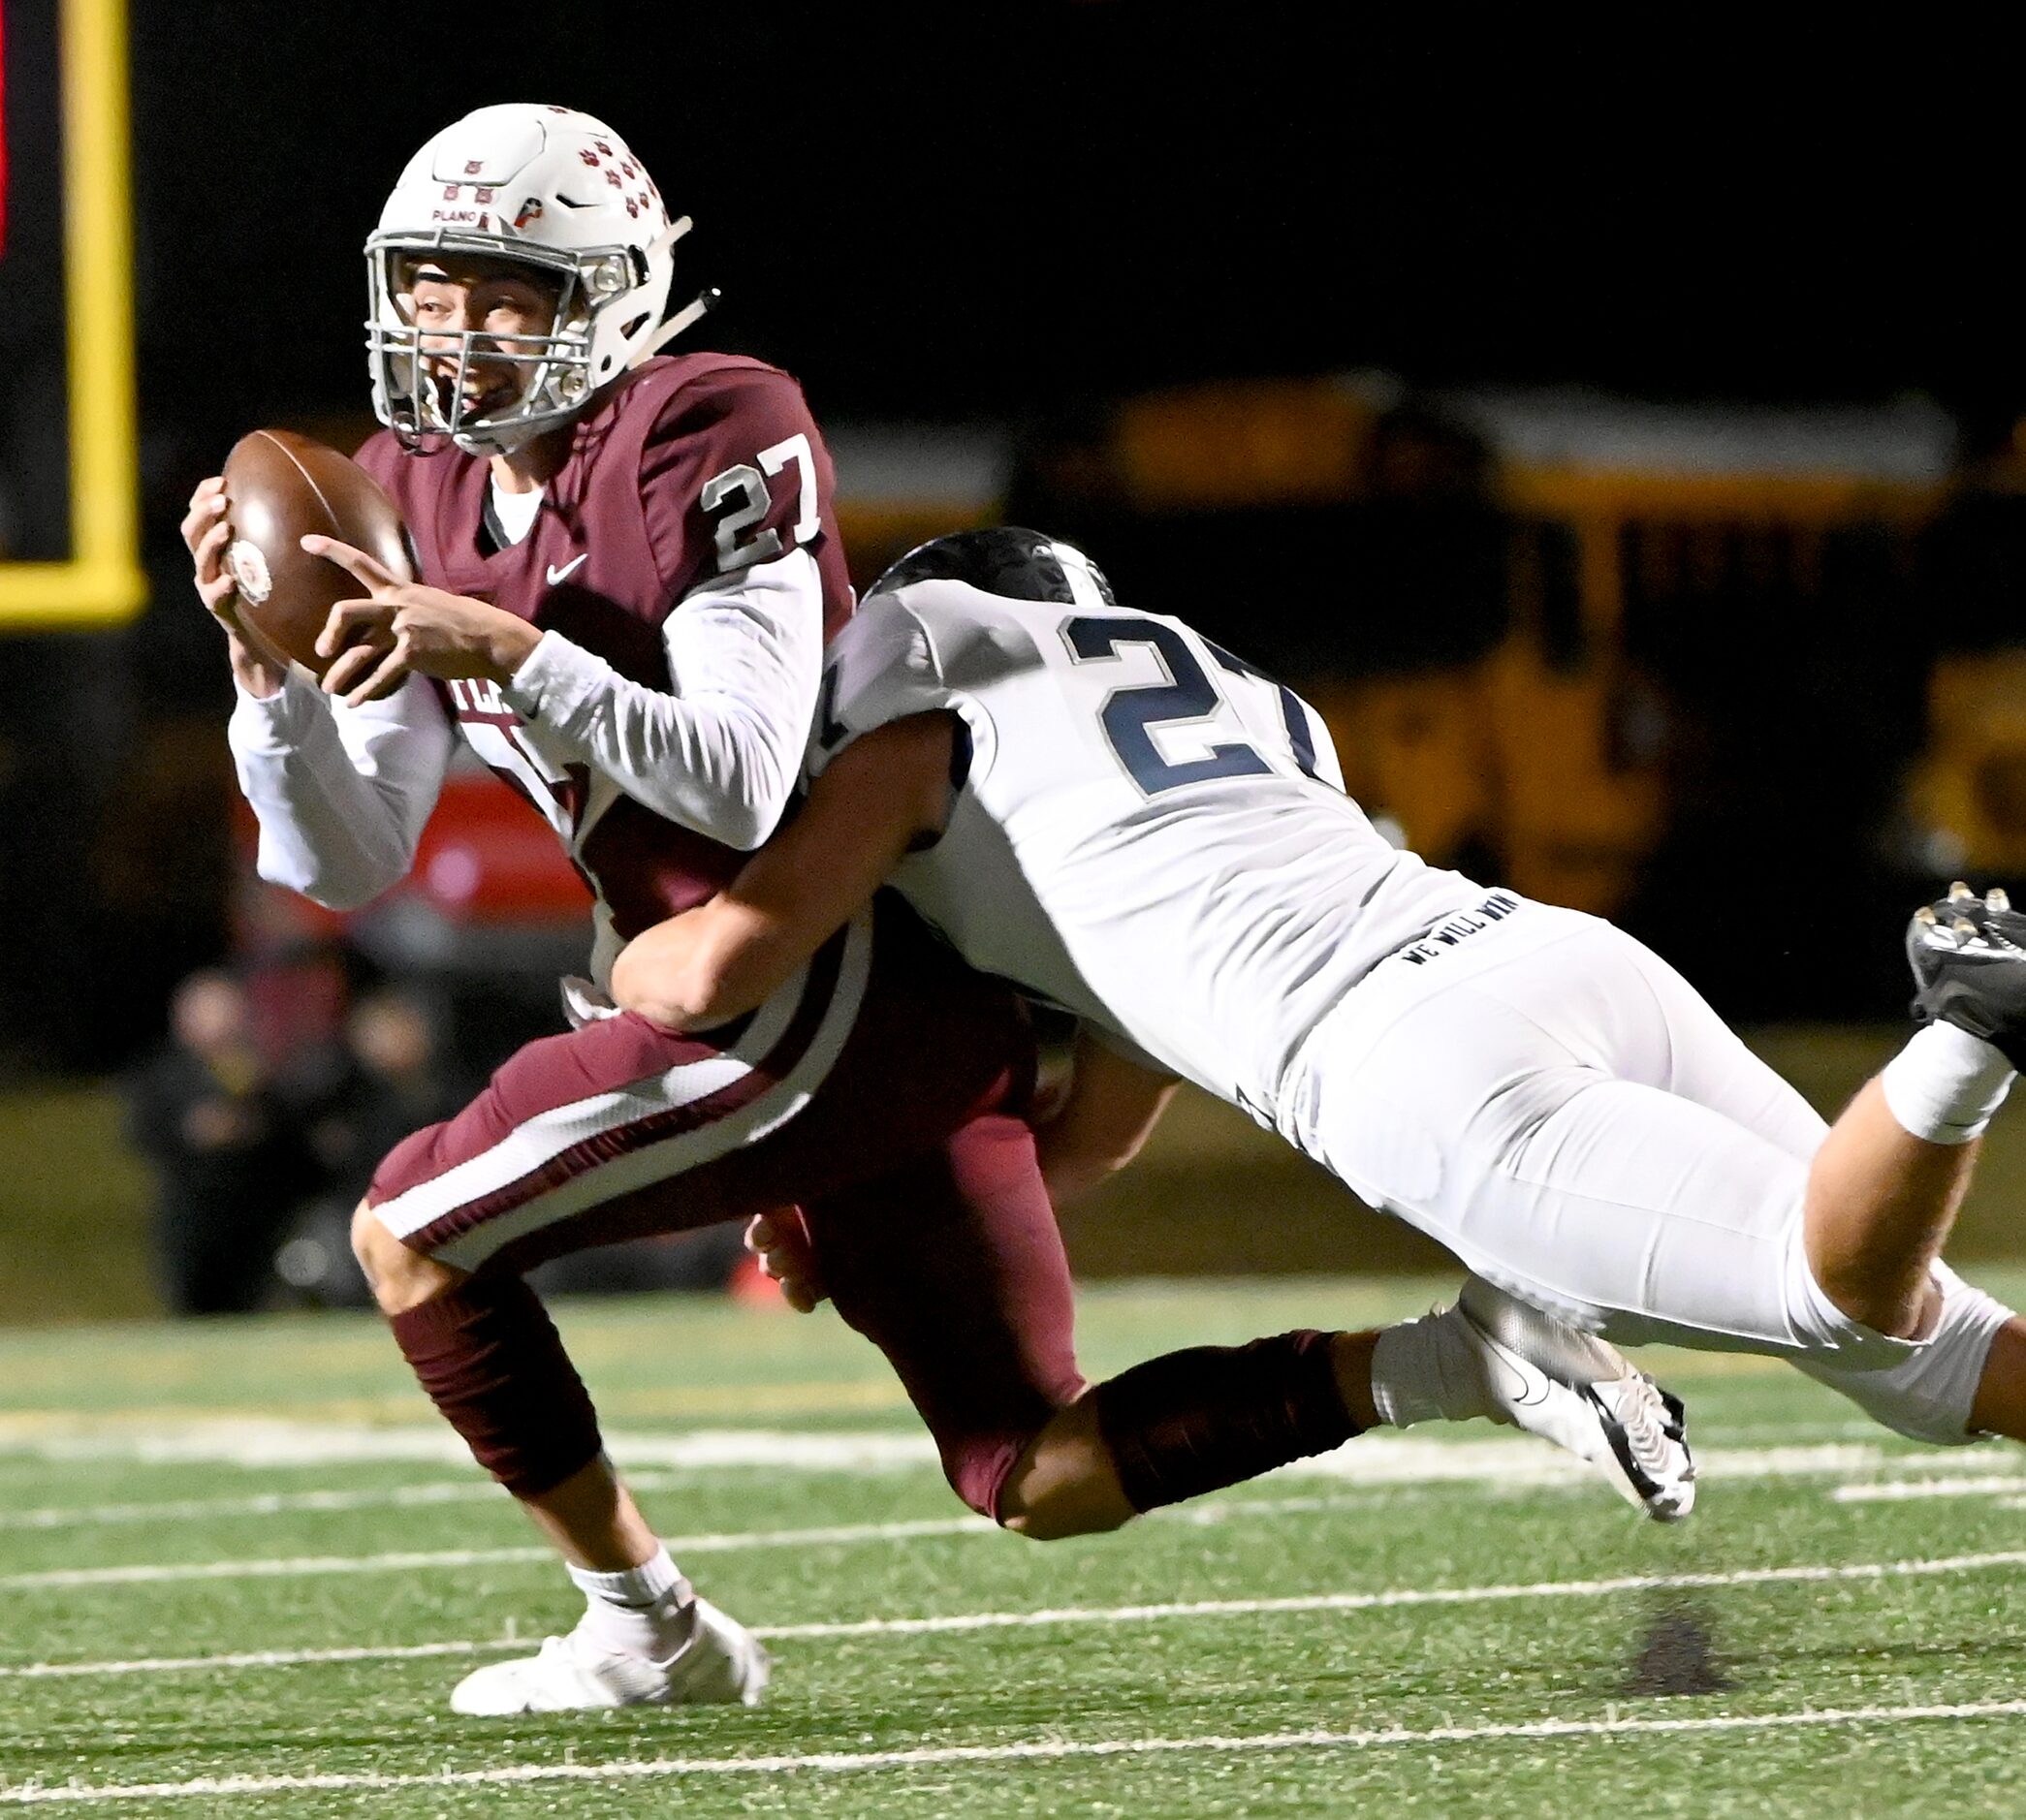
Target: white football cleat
[(1583, 1395), (722, 1664)]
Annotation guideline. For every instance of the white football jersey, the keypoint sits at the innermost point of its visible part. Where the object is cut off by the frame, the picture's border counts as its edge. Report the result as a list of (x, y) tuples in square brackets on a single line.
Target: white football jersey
[(1151, 833)]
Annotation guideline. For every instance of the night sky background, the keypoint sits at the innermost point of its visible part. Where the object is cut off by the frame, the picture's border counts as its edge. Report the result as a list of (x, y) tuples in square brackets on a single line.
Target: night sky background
[(998, 214), (985, 213)]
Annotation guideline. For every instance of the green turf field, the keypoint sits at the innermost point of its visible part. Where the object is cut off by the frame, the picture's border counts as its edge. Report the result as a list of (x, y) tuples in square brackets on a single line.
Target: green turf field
[(241, 1566)]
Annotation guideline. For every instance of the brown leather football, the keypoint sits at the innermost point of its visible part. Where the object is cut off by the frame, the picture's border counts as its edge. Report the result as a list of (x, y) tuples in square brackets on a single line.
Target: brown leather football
[(279, 487)]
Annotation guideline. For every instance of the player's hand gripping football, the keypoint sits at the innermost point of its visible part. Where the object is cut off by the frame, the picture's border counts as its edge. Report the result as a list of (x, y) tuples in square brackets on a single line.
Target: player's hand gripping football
[(206, 534), (781, 1243), (403, 628)]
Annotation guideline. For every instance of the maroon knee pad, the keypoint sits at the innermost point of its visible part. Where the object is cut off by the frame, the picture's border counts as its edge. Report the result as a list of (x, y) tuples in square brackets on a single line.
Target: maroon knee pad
[(493, 1363), (1197, 1420)]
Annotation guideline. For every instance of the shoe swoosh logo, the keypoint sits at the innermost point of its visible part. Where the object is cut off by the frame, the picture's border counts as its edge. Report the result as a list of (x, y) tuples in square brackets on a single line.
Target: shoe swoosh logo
[(1525, 1387), (557, 576)]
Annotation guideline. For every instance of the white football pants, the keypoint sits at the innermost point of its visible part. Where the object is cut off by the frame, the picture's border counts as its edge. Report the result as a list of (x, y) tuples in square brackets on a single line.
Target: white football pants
[(1560, 1108)]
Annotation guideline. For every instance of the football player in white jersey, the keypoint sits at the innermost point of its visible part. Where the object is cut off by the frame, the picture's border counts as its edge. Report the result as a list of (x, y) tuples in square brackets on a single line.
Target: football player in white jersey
[(1105, 808)]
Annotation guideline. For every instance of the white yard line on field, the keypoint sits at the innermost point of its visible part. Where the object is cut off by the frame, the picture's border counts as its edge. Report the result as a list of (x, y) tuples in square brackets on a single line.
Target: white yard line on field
[(485, 1491), (1401, 1596), (260, 1659), (1384, 1599), (1037, 1751), (1898, 1491), (256, 1504), (312, 1566), (280, 1442), (313, 1502), (1371, 1465), (912, 1529), (305, 1566), (1496, 1465)]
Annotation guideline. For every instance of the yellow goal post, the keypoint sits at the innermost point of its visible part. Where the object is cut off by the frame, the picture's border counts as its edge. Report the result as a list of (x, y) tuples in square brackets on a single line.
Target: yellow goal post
[(100, 583)]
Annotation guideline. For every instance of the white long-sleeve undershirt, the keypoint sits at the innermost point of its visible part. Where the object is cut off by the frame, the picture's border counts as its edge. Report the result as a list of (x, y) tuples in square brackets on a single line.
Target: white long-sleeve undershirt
[(722, 753), (341, 793)]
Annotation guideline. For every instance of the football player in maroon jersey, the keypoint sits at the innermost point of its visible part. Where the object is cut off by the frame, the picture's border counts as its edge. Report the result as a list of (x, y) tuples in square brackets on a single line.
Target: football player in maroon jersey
[(628, 566)]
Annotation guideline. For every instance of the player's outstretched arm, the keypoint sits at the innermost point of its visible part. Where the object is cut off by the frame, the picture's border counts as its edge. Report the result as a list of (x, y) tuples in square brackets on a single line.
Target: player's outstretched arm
[(878, 797), (1111, 1110)]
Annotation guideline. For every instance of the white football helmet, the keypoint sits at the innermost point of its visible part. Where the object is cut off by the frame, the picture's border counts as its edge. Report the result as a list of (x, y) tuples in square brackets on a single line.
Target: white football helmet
[(548, 188)]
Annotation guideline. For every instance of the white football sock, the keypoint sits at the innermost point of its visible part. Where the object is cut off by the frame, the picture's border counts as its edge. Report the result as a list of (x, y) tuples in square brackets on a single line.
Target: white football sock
[(1946, 1083), (1427, 1370), (645, 1611)]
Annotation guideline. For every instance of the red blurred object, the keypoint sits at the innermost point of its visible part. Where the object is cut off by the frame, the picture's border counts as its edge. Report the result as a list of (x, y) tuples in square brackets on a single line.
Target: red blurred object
[(485, 859), (491, 895), (753, 1286)]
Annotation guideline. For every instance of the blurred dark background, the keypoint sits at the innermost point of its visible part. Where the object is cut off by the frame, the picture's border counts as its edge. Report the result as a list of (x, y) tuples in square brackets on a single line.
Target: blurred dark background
[(1615, 441)]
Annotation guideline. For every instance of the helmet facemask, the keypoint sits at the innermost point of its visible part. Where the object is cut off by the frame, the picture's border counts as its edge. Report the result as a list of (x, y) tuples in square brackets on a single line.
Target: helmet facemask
[(419, 375)]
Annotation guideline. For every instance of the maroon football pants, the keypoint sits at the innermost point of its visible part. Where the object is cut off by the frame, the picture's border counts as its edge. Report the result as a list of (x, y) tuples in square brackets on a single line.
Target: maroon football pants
[(923, 1196), (953, 1267)]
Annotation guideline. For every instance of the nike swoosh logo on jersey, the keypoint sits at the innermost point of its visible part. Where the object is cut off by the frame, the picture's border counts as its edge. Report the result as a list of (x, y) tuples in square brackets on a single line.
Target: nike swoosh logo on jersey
[(563, 574)]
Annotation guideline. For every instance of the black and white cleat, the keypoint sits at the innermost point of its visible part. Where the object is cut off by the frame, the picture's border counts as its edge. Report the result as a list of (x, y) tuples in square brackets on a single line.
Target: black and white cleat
[(1584, 1395), (1969, 958)]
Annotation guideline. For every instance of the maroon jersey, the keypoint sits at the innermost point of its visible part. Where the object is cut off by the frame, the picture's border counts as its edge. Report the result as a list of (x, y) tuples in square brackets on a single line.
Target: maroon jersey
[(687, 473)]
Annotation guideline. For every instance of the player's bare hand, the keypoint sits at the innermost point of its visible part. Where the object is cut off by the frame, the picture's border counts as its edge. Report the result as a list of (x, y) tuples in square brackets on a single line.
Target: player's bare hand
[(404, 627), (781, 1243), (206, 534), (369, 660), (206, 509)]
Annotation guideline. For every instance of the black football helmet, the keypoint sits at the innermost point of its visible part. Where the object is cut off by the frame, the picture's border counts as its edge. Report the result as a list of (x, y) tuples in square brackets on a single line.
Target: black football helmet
[(1008, 561)]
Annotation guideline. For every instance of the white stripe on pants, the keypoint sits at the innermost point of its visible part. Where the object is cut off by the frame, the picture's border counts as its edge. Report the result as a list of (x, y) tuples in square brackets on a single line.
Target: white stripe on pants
[(526, 1148)]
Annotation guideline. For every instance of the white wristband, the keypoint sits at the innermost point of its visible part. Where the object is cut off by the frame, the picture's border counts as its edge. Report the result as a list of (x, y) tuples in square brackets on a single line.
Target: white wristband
[(1946, 1083)]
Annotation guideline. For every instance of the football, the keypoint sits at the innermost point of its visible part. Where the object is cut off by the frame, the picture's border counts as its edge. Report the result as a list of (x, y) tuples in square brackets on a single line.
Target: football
[(279, 487)]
